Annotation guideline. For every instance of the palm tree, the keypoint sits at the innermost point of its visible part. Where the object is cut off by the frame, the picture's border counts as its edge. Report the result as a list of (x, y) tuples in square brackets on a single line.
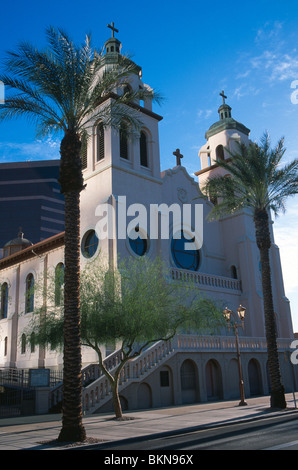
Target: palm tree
[(65, 89), (258, 182)]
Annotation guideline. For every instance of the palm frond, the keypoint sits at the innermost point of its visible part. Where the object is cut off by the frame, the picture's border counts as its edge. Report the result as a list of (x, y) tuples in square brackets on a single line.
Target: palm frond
[(257, 179), (61, 86)]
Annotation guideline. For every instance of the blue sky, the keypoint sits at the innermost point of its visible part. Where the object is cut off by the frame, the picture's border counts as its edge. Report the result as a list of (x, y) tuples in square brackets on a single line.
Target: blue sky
[(189, 51)]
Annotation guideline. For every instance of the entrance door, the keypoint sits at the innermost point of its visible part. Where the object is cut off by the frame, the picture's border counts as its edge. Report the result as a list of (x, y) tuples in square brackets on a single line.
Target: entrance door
[(254, 376), (188, 382), (213, 380)]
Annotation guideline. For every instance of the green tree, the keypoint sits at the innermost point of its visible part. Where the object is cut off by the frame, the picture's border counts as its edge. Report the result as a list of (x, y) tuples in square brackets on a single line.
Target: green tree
[(132, 306), (63, 89), (258, 182)]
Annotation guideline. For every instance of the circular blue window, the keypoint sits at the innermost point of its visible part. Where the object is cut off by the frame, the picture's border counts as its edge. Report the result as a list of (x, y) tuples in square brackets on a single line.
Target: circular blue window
[(138, 244), (89, 244), (183, 258)]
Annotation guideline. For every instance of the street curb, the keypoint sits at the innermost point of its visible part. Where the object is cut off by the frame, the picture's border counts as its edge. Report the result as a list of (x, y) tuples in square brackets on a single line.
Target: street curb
[(164, 434)]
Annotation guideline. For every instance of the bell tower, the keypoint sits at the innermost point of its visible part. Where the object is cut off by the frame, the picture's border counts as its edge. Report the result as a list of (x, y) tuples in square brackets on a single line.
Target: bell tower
[(119, 161), (222, 135)]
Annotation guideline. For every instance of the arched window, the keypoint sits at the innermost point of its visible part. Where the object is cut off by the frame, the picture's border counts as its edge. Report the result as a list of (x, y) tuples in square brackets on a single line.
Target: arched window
[(100, 142), (127, 89), (234, 272), (220, 152), (5, 345), (23, 344), (4, 300), (32, 342), (29, 296), (123, 133), (59, 281), (183, 258), (143, 149)]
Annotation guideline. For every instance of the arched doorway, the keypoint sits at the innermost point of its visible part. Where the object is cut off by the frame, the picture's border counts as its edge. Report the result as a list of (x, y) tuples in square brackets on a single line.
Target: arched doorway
[(213, 380), (189, 381), (144, 396), (233, 379), (254, 377)]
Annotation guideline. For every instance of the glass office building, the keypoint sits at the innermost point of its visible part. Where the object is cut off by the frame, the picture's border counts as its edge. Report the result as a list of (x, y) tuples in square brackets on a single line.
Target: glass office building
[(30, 200)]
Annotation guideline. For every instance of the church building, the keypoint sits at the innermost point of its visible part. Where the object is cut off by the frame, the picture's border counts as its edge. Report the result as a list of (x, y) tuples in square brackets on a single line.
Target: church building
[(224, 264)]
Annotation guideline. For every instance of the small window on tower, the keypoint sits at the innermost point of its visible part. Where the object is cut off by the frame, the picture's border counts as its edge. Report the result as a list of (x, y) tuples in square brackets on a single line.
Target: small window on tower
[(143, 149), (124, 140), (220, 152), (100, 142)]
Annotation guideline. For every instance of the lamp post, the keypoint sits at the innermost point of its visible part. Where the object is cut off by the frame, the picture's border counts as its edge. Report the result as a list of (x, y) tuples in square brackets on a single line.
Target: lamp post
[(241, 315)]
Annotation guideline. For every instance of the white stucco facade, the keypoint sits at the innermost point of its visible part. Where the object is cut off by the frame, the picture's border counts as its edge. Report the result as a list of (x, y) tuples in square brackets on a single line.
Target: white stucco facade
[(228, 267)]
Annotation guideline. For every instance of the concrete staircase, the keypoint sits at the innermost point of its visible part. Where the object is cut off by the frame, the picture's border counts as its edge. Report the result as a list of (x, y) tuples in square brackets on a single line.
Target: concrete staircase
[(98, 393)]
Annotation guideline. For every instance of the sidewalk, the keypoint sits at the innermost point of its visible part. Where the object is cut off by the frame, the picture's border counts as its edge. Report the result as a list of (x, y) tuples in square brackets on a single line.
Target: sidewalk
[(35, 432)]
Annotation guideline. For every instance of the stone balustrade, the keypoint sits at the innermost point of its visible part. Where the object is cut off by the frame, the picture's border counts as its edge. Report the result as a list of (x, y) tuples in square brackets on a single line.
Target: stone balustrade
[(205, 280)]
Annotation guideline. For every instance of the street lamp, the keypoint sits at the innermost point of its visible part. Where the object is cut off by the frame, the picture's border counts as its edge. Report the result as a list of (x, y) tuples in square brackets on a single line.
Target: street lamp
[(227, 313)]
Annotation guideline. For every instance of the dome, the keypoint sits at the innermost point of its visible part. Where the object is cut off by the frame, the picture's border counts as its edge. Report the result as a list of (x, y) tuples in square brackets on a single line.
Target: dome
[(224, 124), (225, 121), (16, 244)]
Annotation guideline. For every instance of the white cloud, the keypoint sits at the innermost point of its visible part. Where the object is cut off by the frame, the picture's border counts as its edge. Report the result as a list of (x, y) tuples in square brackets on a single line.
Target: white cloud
[(274, 60), (278, 66), (204, 113), (46, 149), (243, 74), (244, 90), (269, 32)]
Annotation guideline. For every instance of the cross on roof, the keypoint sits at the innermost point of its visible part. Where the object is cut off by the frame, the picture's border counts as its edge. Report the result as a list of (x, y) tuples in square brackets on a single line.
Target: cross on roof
[(223, 96), (111, 26), (178, 156)]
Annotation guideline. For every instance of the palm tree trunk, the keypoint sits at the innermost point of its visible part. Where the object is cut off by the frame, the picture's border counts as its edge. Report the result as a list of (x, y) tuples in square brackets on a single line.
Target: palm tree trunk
[(71, 185), (261, 220)]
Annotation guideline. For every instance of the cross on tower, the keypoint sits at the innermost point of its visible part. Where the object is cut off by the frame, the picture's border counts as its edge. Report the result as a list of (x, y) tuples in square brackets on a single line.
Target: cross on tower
[(111, 26), (178, 156), (223, 97)]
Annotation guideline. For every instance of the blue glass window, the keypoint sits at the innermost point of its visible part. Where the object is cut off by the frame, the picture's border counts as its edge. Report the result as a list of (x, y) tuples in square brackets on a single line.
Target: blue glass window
[(90, 244), (138, 245), (184, 259)]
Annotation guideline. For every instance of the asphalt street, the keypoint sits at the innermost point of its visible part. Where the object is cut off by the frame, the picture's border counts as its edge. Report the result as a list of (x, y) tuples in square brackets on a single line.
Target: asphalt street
[(268, 433)]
